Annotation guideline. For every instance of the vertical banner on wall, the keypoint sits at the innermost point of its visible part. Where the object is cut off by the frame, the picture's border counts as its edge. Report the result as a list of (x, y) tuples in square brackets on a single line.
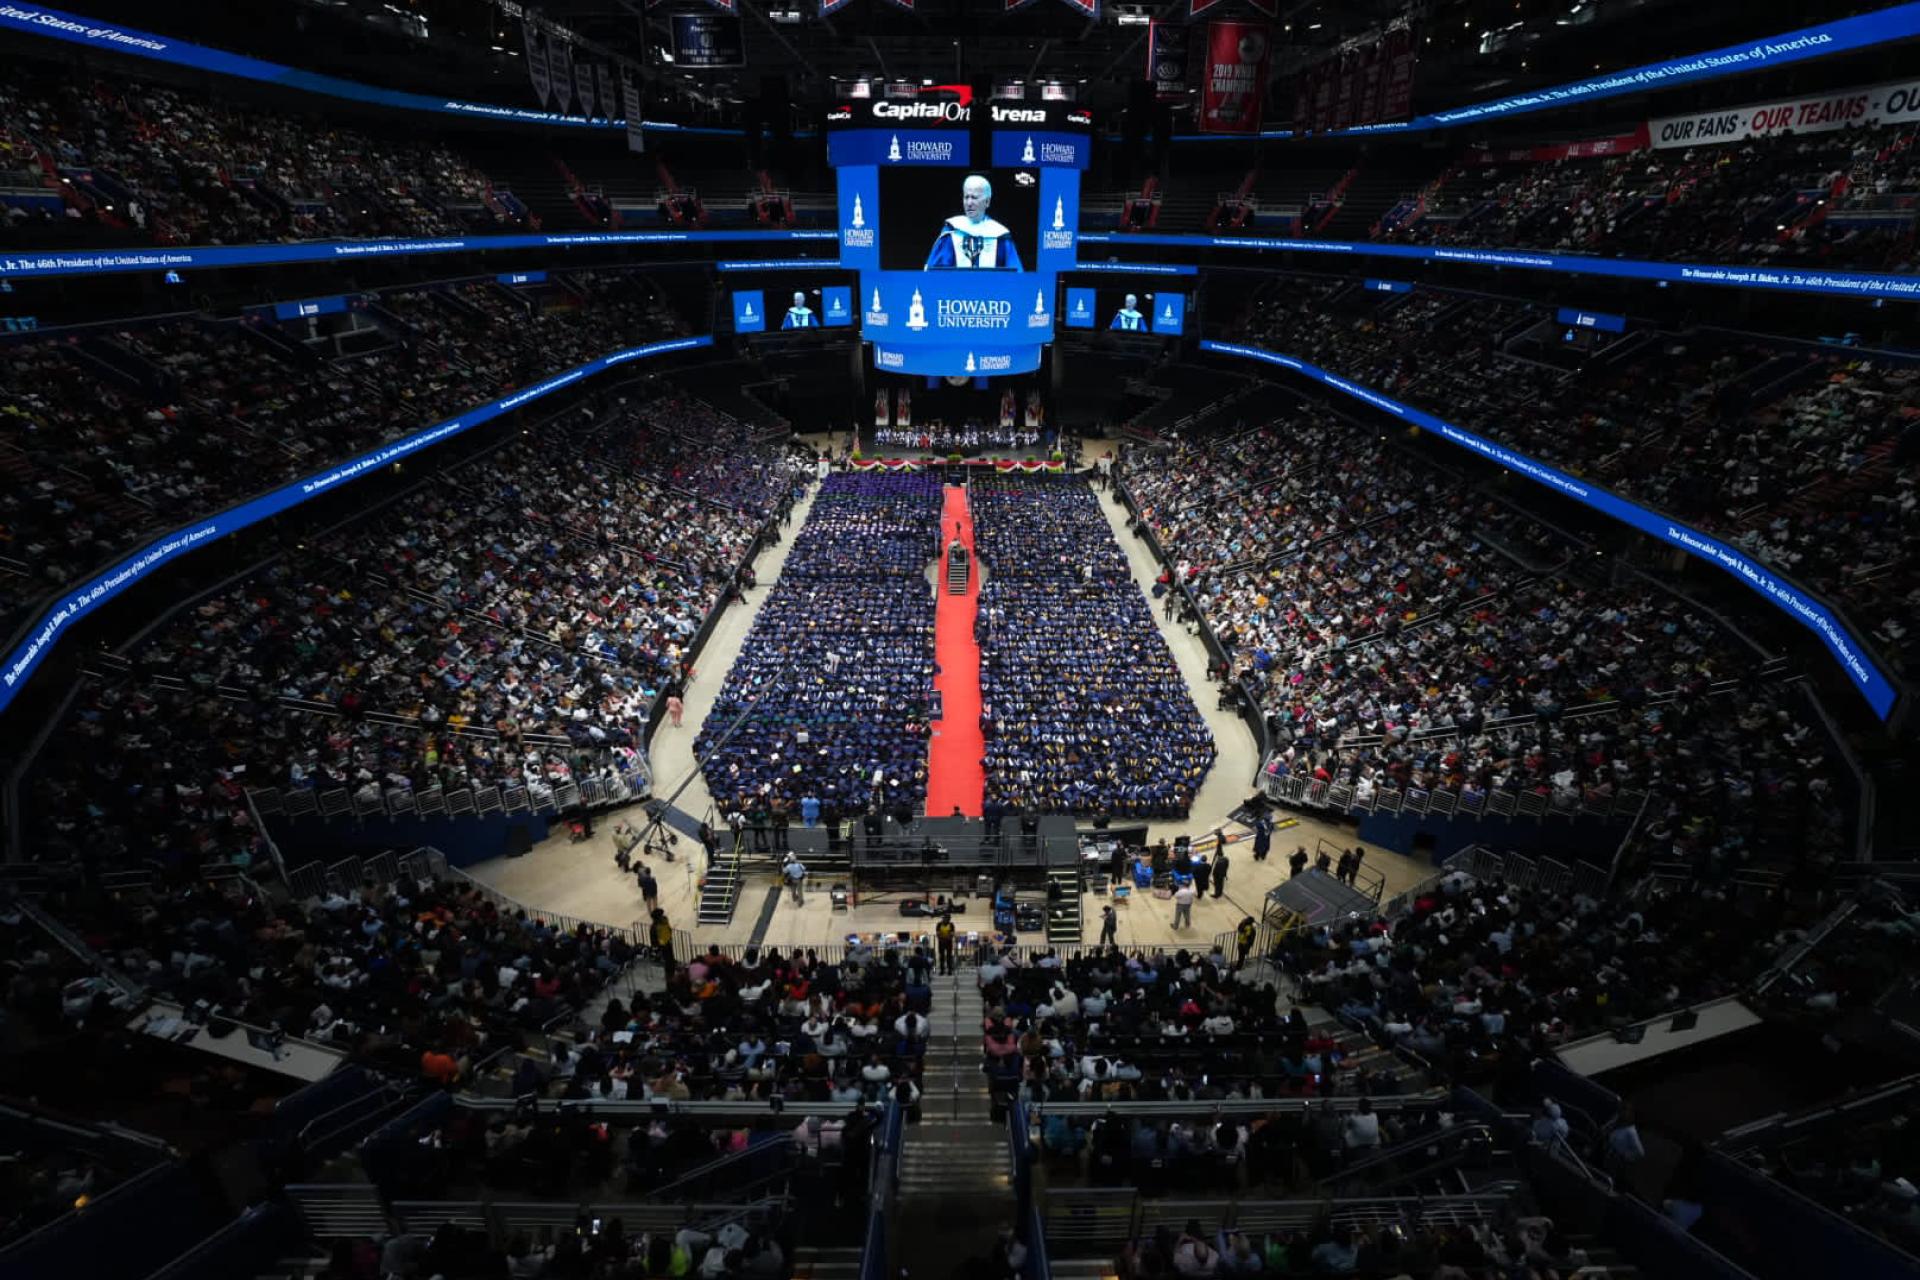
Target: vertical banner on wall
[(1236, 76), (1372, 63), (1036, 411), (635, 111), (903, 407), (1346, 73), (536, 59), (609, 103), (1167, 50), (1397, 93), (1006, 407), (560, 71), (882, 409), (1323, 78), (583, 88)]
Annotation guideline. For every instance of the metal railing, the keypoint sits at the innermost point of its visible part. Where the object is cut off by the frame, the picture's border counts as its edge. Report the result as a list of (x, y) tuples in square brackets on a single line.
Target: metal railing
[(1081, 1220), (1314, 793)]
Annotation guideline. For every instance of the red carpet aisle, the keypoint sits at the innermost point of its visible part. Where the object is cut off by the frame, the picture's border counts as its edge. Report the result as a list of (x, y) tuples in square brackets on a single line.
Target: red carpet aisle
[(954, 775)]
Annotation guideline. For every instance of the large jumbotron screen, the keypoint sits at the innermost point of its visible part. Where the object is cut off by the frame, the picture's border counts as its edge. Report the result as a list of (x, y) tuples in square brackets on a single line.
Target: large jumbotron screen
[(958, 246)]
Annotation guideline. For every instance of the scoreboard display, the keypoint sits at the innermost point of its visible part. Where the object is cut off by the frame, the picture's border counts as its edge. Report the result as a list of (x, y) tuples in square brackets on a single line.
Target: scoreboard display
[(957, 226)]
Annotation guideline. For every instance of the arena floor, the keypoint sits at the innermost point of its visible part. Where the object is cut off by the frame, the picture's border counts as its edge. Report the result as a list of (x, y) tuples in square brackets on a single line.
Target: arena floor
[(582, 880)]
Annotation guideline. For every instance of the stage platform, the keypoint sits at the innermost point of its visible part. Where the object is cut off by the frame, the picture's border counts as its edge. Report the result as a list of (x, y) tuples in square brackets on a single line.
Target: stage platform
[(1319, 899)]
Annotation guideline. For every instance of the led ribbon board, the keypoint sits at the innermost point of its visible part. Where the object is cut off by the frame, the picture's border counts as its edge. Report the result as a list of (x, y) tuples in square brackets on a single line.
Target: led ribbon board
[(37, 263), (1789, 597), (78, 603), (1845, 284)]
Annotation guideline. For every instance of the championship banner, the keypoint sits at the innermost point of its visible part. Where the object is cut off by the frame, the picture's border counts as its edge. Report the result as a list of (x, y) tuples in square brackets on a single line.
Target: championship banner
[(1167, 50), (1396, 93), (536, 59), (560, 71), (583, 87), (635, 110), (882, 409), (1367, 109), (702, 41), (1236, 76), (609, 101)]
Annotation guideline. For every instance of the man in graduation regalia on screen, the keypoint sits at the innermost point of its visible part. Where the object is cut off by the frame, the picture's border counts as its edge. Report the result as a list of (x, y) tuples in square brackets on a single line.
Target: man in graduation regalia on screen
[(971, 240), (799, 315), (1128, 317)]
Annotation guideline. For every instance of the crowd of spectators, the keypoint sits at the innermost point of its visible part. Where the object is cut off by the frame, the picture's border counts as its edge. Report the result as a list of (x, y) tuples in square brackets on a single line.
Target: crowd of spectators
[(203, 413), (820, 1037), (1083, 707), (590, 1250), (1106, 1025), (1480, 979), (508, 624), (131, 157), (832, 692), (1806, 460), (417, 975), (1787, 200), (1442, 639), (1513, 1246)]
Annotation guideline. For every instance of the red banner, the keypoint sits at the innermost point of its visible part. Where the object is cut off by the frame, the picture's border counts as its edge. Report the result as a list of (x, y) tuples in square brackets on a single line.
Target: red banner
[(1396, 98), (1618, 145), (1236, 76), (1372, 59)]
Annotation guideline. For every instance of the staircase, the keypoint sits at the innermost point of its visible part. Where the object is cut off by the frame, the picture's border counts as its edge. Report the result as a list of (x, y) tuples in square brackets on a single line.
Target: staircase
[(959, 571), (720, 891), (1063, 911), (955, 1192)]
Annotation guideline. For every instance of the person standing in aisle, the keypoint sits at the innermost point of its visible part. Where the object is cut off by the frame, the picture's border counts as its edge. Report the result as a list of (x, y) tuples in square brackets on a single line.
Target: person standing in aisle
[(1183, 906), (943, 942)]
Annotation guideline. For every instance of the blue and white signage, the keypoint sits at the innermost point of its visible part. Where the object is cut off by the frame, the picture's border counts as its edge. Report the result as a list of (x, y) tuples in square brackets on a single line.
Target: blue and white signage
[(892, 148), (943, 307), (836, 306), (1059, 220), (1575, 319), (1040, 149), (749, 311), (308, 307), (84, 599), (1080, 305), (1783, 594), (1389, 286), (1136, 268), (859, 218), (1170, 314), (956, 360), (522, 277)]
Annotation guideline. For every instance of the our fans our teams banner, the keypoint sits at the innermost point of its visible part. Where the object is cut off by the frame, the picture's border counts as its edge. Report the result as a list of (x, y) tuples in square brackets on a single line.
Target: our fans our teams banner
[(1167, 57), (536, 60), (1825, 113), (1236, 76)]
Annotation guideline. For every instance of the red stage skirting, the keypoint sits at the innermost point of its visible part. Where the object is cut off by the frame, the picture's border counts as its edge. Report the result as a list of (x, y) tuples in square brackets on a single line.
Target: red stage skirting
[(954, 776)]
